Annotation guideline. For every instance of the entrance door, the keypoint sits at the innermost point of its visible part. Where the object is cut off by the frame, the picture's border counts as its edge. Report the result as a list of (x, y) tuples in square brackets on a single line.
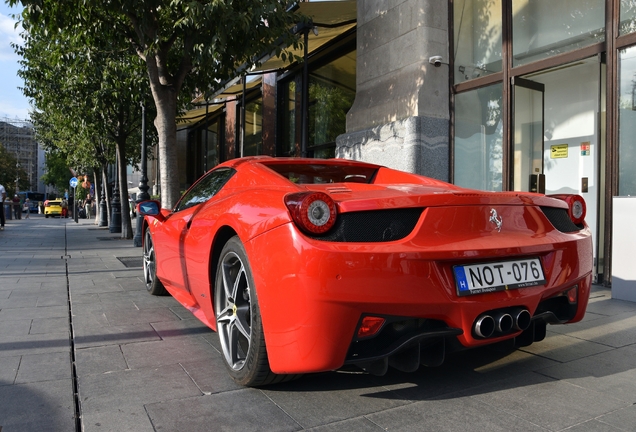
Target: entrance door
[(527, 155), (558, 110)]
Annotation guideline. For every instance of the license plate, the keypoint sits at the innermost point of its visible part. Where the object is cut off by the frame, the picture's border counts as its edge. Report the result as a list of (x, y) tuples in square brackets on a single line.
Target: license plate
[(498, 276)]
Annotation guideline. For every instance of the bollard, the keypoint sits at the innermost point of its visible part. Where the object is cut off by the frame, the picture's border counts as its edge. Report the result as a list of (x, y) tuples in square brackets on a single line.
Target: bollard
[(103, 213), (115, 215)]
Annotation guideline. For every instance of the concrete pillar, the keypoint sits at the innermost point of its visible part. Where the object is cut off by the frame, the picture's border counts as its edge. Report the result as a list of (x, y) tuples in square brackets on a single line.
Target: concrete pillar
[(400, 117)]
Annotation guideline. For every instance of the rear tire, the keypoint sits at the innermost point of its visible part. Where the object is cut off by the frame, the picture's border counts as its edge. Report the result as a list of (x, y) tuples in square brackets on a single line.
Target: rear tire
[(153, 284), (238, 319)]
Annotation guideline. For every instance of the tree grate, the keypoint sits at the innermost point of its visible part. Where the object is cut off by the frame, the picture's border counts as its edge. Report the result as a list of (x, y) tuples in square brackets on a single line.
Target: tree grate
[(132, 262)]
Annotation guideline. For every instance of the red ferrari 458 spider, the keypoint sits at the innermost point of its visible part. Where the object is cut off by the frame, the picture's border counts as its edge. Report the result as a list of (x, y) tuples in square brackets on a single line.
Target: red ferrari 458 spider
[(307, 265)]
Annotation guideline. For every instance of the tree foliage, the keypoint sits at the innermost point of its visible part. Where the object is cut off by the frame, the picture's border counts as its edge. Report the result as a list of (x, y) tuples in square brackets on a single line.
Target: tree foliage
[(57, 171), (88, 95), (185, 45)]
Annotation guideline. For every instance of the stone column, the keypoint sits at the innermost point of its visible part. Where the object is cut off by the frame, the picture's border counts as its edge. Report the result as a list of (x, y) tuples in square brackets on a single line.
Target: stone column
[(400, 117)]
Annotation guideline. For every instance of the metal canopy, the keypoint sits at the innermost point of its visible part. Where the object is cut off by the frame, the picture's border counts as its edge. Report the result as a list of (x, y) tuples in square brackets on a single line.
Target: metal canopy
[(331, 19)]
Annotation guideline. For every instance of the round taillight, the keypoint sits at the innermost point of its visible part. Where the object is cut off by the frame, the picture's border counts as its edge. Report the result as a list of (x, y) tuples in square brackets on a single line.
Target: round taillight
[(312, 212), (577, 208)]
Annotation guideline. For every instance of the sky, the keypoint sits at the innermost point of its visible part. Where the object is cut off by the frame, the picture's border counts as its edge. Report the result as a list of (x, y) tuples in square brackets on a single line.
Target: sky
[(13, 104)]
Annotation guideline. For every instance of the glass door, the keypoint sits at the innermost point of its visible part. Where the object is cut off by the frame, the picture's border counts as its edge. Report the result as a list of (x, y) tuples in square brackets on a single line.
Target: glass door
[(527, 152)]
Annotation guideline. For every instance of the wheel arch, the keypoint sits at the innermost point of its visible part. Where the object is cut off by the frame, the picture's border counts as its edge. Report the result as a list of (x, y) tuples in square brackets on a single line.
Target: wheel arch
[(222, 236), (144, 228)]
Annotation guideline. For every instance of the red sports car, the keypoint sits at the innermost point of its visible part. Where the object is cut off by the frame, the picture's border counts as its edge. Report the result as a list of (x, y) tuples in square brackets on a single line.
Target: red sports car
[(307, 265)]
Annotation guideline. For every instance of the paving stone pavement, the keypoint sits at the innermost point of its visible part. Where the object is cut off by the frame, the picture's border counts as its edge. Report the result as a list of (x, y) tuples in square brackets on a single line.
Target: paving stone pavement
[(84, 347)]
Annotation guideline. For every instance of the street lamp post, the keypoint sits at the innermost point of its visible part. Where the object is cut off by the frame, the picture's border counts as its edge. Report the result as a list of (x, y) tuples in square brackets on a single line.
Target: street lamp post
[(103, 208), (143, 181), (115, 204)]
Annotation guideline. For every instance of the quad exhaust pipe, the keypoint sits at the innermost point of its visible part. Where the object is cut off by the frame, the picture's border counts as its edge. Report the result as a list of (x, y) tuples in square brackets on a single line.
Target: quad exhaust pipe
[(522, 319), (501, 322), (484, 326)]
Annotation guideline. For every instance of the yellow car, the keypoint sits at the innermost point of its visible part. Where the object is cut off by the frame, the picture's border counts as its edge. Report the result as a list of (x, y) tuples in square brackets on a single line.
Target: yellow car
[(53, 208)]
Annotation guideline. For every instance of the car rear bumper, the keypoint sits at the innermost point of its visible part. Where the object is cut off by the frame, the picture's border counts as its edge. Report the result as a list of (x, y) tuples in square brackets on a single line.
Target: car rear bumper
[(313, 294)]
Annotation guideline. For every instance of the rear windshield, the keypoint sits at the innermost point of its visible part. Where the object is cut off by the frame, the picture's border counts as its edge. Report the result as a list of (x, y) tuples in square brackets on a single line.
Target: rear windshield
[(324, 173)]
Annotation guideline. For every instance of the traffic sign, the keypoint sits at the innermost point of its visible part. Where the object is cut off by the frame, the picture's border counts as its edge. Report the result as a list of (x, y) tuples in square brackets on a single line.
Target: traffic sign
[(73, 182)]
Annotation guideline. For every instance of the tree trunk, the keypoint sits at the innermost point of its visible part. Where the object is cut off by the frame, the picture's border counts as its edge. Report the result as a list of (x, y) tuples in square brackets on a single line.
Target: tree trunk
[(106, 192), (165, 97), (96, 183), (126, 225)]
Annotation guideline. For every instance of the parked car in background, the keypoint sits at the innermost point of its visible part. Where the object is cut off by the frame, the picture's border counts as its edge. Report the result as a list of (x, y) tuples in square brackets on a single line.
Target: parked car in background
[(308, 265), (53, 207)]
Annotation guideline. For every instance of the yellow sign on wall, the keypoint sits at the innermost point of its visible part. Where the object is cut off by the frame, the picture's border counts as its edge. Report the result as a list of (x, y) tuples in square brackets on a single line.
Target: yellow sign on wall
[(558, 151)]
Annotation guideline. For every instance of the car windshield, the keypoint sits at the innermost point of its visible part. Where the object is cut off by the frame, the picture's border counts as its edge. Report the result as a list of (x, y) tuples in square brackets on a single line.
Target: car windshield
[(323, 173)]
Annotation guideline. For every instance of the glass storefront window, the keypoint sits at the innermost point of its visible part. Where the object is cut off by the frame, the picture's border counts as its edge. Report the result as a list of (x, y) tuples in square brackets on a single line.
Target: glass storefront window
[(479, 138), (332, 89), (202, 155), (253, 128), (477, 30), (209, 149), (288, 109), (627, 122), (628, 17), (543, 28)]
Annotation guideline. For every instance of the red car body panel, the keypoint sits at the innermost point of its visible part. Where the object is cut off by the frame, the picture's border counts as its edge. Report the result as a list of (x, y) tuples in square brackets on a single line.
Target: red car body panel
[(312, 293)]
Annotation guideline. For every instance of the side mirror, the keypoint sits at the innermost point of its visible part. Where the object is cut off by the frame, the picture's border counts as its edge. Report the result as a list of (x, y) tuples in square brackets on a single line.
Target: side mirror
[(152, 208), (149, 208)]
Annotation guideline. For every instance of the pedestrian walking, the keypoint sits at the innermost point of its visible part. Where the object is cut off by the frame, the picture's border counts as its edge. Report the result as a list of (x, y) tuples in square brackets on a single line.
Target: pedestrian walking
[(3, 195), (88, 206), (17, 208), (26, 208)]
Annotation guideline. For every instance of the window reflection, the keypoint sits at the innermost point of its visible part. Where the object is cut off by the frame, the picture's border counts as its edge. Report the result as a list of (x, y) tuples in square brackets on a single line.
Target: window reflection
[(543, 28), (210, 149), (253, 128), (202, 154), (627, 122), (628, 17), (479, 138), (289, 108), (332, 89), (477, 28)]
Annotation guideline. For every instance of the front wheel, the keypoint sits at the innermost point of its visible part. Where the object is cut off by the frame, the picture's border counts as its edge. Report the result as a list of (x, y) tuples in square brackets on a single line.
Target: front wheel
[(238, 319), (153, 284)]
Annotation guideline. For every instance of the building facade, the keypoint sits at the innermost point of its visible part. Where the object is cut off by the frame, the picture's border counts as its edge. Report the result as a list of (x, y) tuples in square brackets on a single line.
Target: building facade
[(18, 138), (495, 95)]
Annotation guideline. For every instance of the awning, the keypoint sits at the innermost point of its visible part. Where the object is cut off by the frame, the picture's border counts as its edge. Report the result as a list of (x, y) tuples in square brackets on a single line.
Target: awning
[(196, 115), (232, 90), (236, 89), (331, 19)]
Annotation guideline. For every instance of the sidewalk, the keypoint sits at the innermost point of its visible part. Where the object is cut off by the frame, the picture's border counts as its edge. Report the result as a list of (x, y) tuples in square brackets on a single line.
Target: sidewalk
[(71, 294)]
